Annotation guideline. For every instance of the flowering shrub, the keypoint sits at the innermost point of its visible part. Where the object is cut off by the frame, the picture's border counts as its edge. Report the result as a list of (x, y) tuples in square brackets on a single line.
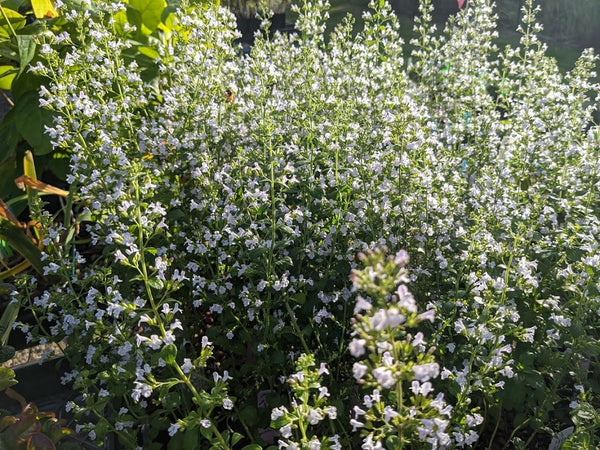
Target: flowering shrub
[(227, 197)]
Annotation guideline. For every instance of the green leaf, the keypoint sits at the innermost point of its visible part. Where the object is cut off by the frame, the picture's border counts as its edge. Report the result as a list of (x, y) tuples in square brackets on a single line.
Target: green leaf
[(8, 51), (171, 401), (156, 283), (6, 322), (150, 13), (21, 243), (252, 447), (6, 353), (284, 262), (7, 75), (584, 413), (31, 120), (150, 52), (235, 438), (59, 164), (249, 414), (17, 21), (342, 268), (299, 298), (206, 432), (191, 437), (286, 229), (279, 422), (7, 378), (8, 172), (168, 353), (12, 4), (27, 48)]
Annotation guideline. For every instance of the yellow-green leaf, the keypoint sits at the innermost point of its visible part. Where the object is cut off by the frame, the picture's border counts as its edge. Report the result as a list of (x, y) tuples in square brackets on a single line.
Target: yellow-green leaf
[(7, 75), (151, 13), (15, 20), (7, 378), (29, 165)]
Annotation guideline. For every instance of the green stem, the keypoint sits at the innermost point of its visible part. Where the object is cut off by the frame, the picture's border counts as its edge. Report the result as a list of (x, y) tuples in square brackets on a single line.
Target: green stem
[(141, 267), (215, 430), (296, 327), (197, 399), (302, 427), (399, 391), (495, 429)]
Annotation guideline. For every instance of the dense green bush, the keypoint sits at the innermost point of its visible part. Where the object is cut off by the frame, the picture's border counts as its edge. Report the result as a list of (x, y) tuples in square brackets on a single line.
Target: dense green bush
[(231, 195)]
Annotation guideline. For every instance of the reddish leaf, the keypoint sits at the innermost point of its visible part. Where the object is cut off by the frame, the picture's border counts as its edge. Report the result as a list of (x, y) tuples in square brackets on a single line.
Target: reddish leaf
[(460, 3), (38, 441)]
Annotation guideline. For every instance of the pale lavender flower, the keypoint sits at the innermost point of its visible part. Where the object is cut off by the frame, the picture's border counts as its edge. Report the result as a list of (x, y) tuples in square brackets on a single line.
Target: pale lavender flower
[(384, 377), (425, 372), (357, 347), (359, 370)]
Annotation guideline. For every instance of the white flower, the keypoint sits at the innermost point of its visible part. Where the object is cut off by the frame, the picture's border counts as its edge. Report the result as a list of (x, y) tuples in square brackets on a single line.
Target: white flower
[(425, 372), (314, 416), (406, 299), (507, 371), (561, 320), (187, 365), (286, 431), (356, 424), (394, 318), (379, 320), (474, 420), (278, 412), (427, 315), (359, 370), (384, 377), (331, 411), (368, 444), (173, 429), (155, 342), (361, 305), (323, 369), (471, 438), (314, 444), (141, 390), (389, 413), (357, 347), (387, 359), (423, 389), (335, 442), (419, 339)]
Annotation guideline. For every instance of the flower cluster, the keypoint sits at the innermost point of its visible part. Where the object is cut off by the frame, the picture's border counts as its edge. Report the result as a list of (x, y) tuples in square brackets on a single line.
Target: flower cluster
[(309, 408), (397, 368)]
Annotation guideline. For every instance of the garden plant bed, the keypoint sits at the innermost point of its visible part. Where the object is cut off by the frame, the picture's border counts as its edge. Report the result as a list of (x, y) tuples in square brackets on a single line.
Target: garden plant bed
[(327, 242)]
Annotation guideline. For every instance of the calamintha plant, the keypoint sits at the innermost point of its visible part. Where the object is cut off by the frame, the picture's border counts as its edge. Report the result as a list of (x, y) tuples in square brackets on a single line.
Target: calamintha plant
[(227, 197)]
